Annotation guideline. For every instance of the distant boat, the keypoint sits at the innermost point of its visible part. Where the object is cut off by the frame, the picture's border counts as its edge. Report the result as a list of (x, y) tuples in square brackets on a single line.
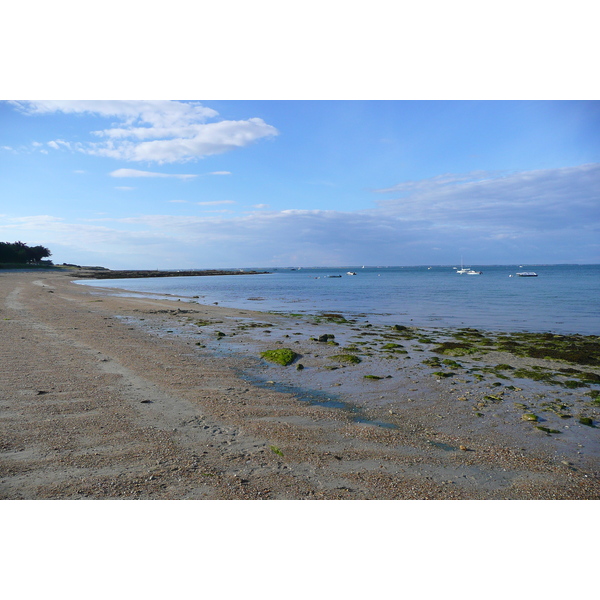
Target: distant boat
[(350, 273), (462, 269), (527, 274), (465, 271)]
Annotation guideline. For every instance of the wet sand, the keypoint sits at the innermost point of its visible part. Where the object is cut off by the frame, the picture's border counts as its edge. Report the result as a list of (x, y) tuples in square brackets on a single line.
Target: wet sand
[(117, 397)]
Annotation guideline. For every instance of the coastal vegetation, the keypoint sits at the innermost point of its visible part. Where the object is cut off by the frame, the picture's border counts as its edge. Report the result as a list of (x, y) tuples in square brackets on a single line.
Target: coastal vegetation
[(20, 254)]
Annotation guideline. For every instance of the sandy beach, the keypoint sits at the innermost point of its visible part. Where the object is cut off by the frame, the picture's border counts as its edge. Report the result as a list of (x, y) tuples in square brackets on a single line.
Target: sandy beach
[(128, 397)]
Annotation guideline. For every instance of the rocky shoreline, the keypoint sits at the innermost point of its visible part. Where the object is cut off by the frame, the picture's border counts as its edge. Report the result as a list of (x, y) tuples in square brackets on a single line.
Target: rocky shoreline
[(102, 273)]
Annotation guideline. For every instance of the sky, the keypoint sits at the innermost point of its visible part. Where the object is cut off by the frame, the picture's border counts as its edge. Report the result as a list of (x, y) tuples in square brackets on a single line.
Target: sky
[(225, 184)]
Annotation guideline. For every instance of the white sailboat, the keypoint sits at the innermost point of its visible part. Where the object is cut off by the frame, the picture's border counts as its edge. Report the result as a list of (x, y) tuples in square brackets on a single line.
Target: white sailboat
[(462, 270)]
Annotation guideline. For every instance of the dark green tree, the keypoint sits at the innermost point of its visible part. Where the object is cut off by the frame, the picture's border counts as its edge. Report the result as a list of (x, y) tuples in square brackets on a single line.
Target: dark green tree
[(21, 253)]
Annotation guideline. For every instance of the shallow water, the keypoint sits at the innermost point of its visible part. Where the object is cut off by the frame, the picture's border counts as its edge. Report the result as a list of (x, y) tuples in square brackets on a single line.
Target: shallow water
[(562, 299)]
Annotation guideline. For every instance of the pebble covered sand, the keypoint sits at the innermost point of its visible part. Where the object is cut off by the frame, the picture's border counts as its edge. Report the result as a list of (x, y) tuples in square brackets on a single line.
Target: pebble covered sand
[(116, 397)]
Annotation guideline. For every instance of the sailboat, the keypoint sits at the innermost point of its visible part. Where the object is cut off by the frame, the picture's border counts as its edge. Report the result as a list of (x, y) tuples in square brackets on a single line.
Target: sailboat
[(463, 271)]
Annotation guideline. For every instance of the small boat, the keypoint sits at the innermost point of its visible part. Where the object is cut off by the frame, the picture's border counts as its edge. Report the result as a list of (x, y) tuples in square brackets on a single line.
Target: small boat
[(472, 272), (350, 273), (527, 274)]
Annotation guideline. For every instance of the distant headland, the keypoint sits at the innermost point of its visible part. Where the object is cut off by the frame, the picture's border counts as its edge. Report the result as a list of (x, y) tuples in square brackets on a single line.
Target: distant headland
[(104, 273)]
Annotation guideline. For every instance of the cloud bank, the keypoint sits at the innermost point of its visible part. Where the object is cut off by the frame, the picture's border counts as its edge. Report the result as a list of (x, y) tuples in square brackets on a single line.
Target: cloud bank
[(154, 131), (537, 216)]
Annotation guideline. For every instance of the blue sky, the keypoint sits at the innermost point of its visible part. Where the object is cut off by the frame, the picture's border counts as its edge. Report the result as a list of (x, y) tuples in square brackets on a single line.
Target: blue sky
[(202, 184)]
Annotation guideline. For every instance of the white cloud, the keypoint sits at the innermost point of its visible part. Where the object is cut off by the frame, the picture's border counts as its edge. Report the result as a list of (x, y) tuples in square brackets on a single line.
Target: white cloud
[(156, 131), (136, 173), (220, 173), (56, 144), (433, 183), (159, 113)]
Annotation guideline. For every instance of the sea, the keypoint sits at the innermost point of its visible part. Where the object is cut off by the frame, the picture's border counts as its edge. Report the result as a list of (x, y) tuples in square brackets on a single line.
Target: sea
[(562, 299)]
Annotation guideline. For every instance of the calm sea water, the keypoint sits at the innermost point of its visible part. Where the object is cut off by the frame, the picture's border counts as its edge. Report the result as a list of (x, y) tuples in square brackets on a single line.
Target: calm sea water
[(562, 299)]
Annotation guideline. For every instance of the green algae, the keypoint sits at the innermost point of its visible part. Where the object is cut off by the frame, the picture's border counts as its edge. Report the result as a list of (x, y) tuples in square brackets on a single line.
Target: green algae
[(547, 429), (557, 407), (586, 421), (281, 356), (345, 358), (529, 417), (452, 363), (573, 384), (372, 377), (493, 399), (255, 325), (391, 346), (577, 349), (443, 374), (434, 361), (537, 374), (456, 349), (334, 317), (352, 349)]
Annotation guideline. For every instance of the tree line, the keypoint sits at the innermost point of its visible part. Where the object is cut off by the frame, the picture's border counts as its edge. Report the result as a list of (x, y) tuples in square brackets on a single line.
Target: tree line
[(21, 253)]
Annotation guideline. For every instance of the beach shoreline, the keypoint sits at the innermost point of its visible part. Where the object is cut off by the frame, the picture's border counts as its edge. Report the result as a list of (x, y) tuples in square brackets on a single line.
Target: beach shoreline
[(108, 396)]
